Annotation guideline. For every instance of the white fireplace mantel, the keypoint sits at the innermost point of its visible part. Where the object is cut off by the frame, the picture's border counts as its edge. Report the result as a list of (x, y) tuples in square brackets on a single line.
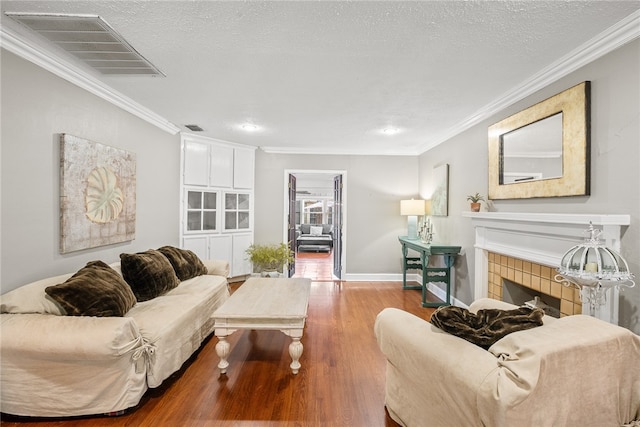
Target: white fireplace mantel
[(542, 238)]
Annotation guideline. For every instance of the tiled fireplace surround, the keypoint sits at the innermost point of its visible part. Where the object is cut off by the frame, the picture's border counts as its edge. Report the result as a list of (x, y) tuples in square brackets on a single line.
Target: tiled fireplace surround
[(526, 248), (536, 277)]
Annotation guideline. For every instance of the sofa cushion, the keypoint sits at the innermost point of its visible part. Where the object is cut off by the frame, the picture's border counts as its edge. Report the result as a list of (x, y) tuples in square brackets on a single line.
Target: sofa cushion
[(486, 326), (177, 322), (305, 228), (217, 267), (148, 273), (315, 231), (95, 290), (31, 298), (185, 263)]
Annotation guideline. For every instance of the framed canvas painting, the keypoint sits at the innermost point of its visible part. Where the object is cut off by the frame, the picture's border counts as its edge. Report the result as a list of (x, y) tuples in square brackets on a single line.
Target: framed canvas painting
[(97, 194), (440, 196)]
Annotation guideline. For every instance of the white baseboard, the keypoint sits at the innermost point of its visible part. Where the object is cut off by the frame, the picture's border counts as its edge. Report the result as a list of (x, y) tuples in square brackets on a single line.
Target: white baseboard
[(431, 286)]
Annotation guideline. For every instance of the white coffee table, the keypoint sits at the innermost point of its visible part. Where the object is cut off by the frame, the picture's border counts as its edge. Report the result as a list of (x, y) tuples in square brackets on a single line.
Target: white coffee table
[(264, 304)]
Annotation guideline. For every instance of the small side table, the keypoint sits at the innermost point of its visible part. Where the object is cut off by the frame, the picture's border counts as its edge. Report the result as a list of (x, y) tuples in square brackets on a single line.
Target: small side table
[(429, 274)]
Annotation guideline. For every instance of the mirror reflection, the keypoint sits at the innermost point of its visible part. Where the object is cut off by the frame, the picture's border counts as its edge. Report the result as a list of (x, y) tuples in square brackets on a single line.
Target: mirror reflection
[(532, 152)]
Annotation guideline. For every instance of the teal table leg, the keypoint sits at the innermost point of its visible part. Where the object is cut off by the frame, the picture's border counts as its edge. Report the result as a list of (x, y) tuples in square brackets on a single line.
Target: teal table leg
[(407, 263), (425, 262), (448, 260), (404, 267)]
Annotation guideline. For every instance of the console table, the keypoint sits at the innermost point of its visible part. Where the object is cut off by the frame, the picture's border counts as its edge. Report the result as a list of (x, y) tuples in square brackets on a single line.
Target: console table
[(429, 274)]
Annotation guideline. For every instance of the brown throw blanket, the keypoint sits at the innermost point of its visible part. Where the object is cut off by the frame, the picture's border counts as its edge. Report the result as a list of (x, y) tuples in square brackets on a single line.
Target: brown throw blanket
[(487, 326)]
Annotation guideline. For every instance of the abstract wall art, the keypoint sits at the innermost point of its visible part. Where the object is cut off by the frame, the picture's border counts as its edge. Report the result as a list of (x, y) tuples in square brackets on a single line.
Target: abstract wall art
[(97, 194), (440, 196)]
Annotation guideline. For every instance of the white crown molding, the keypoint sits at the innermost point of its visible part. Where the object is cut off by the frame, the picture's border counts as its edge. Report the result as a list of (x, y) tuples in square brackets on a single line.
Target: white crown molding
[(15, 43), (609, 40), (334, 152), (186, 136)]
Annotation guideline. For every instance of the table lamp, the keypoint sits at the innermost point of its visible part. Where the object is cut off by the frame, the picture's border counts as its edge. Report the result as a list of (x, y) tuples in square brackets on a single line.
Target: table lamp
[(412, 209)]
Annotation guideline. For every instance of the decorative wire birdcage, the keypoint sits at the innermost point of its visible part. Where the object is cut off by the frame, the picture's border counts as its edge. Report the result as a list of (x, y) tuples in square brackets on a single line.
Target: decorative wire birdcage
[(593, 268)]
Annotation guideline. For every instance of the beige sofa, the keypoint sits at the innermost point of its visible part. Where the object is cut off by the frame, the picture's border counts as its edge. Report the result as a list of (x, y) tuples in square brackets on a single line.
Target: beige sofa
[(573, 371), (61, 365)]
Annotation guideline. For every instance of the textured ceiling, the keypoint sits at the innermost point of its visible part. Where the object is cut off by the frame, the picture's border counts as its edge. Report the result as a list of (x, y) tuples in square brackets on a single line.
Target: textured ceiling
[(329, 76)]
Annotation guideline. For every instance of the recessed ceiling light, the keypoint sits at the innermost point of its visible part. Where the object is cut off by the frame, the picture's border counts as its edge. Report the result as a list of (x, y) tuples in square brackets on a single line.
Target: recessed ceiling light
[(390, 131), (249, 127)]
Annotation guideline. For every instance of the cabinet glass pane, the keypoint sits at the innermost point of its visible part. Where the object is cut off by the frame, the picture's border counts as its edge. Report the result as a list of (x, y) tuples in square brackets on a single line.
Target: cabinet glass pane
[(209, 221), (243, 201), (230, 201), (243, 220), (194, 200), (210, 200), (230, 220), (194, 220)]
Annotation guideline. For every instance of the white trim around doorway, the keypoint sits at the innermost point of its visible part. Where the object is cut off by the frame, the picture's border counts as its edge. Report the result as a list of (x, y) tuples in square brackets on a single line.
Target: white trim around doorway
[(285, 225)]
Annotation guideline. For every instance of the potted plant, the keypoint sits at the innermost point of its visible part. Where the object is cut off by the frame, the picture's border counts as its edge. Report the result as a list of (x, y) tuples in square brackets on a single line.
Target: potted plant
[(475, 200), (270, 260)]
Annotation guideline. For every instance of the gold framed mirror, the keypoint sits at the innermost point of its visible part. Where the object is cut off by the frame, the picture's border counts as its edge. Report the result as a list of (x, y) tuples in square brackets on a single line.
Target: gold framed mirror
[(544, 150)]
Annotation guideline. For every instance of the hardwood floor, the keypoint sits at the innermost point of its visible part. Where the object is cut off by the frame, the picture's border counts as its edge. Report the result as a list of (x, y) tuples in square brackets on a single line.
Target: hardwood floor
[(340, 383), (314, 265)]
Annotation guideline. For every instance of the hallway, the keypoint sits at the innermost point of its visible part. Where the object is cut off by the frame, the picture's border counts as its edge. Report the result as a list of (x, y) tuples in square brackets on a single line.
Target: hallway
[(317, 266)]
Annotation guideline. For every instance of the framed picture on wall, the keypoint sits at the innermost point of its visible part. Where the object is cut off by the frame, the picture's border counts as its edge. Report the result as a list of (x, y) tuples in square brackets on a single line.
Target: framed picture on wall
[(440, 196), (97, 194)]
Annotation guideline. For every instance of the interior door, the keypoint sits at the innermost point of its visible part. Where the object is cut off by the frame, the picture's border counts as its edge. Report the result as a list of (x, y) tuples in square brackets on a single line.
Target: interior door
[(291, 232), (337, 226)]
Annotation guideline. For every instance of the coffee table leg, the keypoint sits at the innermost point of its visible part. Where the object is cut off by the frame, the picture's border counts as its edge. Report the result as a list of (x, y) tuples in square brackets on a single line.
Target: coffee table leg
[(222, 349), (295, 350)]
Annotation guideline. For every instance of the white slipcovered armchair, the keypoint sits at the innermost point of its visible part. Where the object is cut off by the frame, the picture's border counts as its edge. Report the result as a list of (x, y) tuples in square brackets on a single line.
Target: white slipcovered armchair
[(573, 371)]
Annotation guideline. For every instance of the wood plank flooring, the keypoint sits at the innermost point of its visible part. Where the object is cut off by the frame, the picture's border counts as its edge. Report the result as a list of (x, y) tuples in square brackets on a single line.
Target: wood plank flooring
[(340, 383), (314, 265)]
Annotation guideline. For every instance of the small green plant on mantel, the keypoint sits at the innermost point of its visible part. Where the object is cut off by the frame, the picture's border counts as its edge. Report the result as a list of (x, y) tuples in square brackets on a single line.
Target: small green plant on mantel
[(475, 200), (270, 258)]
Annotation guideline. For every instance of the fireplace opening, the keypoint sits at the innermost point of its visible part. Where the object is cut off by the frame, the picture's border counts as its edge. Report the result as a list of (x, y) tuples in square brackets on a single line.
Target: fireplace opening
[(519, 295)]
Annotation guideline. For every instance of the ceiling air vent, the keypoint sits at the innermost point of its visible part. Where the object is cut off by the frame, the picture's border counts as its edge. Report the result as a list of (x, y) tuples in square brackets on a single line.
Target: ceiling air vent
[(90, 39), (194, 128)]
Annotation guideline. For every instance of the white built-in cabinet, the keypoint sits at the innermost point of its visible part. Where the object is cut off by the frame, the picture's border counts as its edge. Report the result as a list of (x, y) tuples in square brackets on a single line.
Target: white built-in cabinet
[(217, 200)]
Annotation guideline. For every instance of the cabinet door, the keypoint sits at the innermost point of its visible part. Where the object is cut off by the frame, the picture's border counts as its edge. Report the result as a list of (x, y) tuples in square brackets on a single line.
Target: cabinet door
[(221, 167), (198, 244), (237, 211), (243, 161), (196, 163), (201, 212), (241, 264), (220, 247)]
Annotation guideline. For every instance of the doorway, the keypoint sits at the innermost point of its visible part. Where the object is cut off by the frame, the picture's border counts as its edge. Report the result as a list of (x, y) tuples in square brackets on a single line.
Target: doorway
[(315, 198)]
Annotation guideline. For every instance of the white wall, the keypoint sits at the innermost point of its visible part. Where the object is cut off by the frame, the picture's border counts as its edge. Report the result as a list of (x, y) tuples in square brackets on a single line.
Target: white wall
[(375, 186), (36, 107), (615, 160)]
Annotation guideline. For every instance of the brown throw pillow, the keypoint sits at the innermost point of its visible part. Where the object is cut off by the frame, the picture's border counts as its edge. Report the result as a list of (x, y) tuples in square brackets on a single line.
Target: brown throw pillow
[(487, 326), (185, 263), (95, 290), (149, 274)]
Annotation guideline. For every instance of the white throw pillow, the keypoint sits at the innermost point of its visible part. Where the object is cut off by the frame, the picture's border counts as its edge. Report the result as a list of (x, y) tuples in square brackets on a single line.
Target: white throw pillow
[(316, 231), (31, 298)]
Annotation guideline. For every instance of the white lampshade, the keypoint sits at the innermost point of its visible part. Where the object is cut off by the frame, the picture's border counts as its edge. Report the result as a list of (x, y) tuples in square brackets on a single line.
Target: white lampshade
[(412, 207)]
